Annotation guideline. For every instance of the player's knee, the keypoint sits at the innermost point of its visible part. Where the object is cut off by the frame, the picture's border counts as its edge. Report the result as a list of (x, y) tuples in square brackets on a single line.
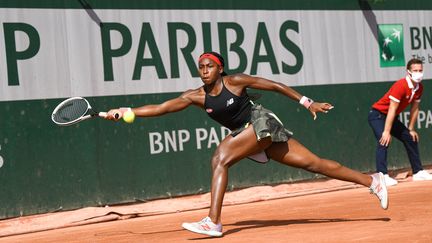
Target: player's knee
[(219, 160), (312, 166)]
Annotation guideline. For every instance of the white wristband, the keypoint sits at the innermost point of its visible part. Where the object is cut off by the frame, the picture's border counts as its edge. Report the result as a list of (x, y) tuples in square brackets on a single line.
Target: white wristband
[(306, 102), (124, 109)]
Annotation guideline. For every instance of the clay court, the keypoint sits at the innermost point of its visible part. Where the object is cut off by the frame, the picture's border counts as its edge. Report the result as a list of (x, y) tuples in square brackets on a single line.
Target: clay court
[(323, 211)]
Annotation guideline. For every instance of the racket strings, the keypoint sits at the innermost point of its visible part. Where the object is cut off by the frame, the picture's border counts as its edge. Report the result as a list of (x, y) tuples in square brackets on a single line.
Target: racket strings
[(70, 111)]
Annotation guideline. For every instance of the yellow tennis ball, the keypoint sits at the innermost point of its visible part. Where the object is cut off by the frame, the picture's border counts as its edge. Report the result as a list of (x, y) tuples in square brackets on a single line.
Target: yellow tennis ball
[(129, 116)]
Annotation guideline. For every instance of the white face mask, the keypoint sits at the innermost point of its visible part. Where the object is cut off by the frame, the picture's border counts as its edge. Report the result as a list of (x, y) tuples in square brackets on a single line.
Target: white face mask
[(416, 76)]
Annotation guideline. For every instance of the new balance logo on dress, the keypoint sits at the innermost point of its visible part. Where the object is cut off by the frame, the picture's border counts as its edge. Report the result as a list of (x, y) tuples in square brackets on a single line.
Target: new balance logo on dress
[(230, 102)]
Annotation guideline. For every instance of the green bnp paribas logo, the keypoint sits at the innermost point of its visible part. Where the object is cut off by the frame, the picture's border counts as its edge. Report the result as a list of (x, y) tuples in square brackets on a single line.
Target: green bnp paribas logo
[(390, 40)]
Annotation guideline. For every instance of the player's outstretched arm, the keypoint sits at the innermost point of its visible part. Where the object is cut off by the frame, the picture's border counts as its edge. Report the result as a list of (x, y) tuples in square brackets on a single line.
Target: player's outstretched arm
[(173, 105), (266, 84)]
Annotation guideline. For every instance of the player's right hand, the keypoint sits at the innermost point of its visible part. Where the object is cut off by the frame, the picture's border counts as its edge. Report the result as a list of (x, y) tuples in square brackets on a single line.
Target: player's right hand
[(114, 114)]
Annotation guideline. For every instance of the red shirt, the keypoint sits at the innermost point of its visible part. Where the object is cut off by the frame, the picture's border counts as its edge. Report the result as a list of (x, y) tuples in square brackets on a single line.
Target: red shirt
[(403, 91)]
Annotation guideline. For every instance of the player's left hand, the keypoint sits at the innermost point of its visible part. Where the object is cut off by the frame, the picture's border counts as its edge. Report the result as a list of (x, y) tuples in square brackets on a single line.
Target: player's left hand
[(319, 107)]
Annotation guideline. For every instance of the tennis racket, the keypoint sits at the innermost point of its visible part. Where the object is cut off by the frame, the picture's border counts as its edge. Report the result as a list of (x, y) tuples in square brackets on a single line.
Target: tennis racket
[(74, 110)]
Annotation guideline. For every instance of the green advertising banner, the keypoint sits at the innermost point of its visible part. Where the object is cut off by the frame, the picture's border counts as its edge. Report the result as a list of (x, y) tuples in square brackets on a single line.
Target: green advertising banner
[(391, 43)]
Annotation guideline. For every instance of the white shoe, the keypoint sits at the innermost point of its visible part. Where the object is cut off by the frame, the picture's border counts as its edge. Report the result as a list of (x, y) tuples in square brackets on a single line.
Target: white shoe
[(390, 181), (422, 176), (378, 187), (205, 226)]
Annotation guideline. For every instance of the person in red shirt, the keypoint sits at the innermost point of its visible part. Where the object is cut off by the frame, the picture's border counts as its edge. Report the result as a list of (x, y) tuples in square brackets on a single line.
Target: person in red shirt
[(382, 119)]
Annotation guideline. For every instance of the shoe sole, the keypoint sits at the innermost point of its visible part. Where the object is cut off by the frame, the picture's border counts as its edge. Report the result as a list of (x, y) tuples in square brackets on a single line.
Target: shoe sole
[(193, 229)]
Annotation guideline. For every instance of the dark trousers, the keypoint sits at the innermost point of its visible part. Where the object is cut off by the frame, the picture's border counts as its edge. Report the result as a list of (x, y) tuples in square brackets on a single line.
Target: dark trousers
[(400, 131)]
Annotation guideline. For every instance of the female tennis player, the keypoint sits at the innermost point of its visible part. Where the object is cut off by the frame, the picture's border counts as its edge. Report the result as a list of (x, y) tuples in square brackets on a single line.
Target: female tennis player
[(257, 133)]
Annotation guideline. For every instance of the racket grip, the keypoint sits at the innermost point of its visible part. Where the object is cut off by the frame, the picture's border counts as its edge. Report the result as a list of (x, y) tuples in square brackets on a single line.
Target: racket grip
[(103, 114)]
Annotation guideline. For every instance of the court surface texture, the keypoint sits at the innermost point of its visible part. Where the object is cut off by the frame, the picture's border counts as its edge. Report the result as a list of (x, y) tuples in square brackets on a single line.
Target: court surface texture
[(319, 211)]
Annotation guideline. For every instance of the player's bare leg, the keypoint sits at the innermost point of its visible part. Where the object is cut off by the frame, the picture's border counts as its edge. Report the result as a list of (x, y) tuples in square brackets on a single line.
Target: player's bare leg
[(230, 151), (294, 154)]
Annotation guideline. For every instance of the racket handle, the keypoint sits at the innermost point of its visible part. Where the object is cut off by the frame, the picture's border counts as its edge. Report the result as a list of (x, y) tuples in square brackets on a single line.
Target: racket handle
[(103, 114), (116, 115)]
